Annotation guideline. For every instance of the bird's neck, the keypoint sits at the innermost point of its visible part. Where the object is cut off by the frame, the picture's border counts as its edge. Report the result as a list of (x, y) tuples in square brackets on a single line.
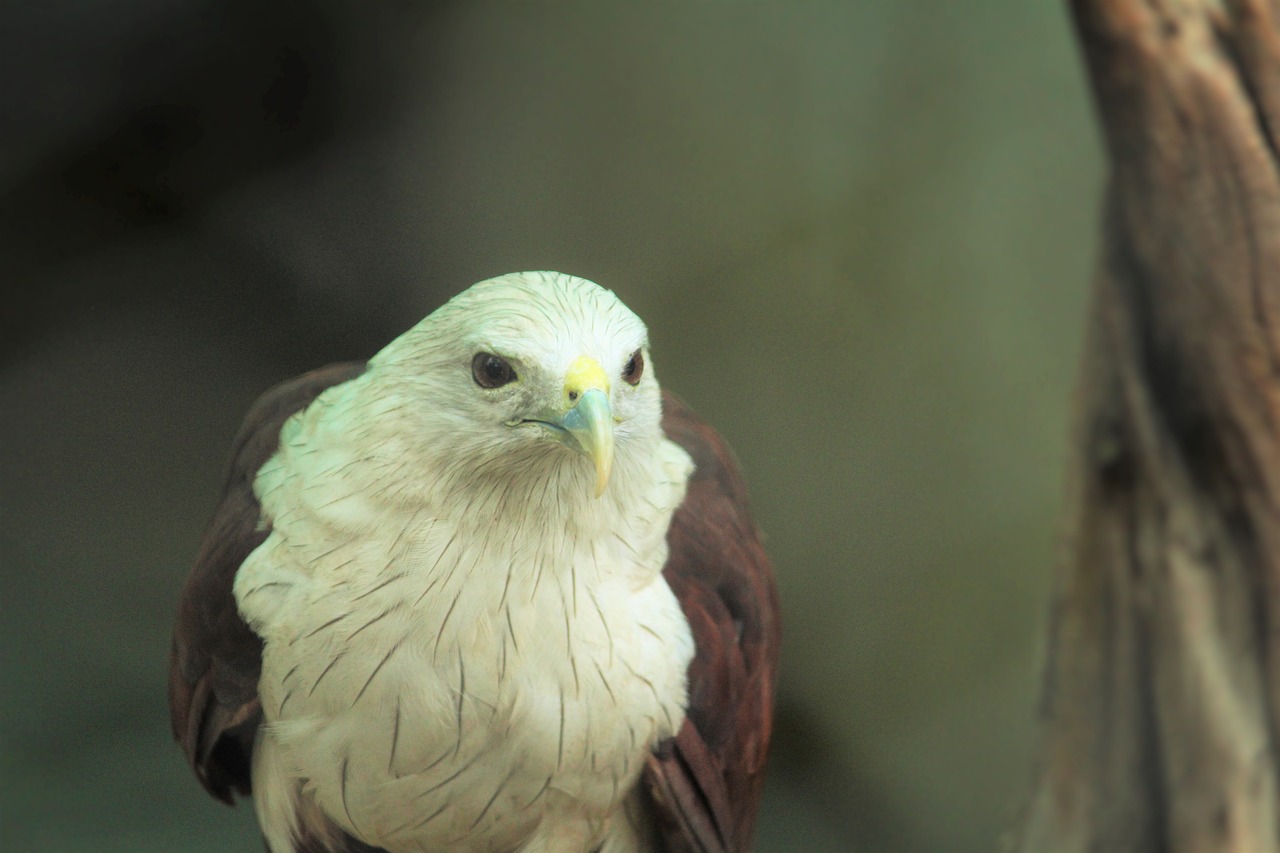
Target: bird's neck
[(484, 536), (547, 518)]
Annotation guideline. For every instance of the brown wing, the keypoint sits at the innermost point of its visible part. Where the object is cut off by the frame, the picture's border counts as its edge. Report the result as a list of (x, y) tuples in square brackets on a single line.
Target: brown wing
[(215, 660), (706, 782)]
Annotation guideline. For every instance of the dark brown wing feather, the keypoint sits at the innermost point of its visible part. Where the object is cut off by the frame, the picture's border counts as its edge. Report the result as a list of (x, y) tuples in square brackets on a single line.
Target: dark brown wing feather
[(706, 782), (215, 660)]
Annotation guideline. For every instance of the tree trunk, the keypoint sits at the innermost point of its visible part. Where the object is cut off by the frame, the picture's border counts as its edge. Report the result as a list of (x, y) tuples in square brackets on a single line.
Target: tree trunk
[(1161, 705)]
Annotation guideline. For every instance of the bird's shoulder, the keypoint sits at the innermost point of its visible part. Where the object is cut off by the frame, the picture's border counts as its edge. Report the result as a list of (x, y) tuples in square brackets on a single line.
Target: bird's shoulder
[(707, 781), (216, 659)]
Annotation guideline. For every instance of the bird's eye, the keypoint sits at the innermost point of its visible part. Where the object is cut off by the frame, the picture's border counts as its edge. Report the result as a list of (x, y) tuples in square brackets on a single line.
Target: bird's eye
[(491, 371), (634, 368)]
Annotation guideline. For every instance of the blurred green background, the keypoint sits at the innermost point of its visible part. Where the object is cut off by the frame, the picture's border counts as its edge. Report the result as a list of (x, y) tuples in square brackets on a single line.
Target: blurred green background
[(860, 233)]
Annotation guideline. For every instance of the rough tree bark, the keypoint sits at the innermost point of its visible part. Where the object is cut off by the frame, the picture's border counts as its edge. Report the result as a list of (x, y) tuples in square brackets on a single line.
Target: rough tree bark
[(1161, 705)]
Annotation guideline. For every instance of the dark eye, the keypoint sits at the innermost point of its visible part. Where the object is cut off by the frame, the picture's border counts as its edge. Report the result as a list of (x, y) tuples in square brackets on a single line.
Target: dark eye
[(634, 368), (491, 371)]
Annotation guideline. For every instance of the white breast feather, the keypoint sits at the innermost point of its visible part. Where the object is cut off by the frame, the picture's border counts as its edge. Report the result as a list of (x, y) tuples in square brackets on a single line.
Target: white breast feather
[(477, 680)]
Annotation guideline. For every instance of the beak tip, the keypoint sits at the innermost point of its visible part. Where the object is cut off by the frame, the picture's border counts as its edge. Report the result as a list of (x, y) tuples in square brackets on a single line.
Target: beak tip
[(602, 477)]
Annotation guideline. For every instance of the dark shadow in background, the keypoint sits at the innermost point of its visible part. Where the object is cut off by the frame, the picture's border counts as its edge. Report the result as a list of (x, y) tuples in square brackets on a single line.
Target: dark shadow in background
[(126, 121)]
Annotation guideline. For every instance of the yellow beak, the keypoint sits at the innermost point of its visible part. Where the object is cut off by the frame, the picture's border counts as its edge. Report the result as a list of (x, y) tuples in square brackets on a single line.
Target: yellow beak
[(588, 419)]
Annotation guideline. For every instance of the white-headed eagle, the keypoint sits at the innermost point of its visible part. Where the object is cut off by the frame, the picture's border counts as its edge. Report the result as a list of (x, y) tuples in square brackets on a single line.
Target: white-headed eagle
[(491, 591)]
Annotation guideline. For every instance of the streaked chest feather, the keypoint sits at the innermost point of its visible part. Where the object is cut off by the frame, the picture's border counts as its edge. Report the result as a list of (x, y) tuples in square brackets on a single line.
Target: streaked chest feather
[(428, 688)]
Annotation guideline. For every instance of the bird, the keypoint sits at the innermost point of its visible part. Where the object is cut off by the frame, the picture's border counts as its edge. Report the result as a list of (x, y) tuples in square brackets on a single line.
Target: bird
[(492, 590)]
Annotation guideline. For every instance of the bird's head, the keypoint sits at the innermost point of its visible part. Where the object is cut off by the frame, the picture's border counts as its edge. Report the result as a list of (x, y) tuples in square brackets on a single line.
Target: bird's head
[(529, 369)]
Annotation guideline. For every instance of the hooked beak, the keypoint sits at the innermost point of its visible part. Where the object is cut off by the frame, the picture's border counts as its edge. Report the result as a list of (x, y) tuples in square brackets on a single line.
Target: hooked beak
[(588, 419)]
